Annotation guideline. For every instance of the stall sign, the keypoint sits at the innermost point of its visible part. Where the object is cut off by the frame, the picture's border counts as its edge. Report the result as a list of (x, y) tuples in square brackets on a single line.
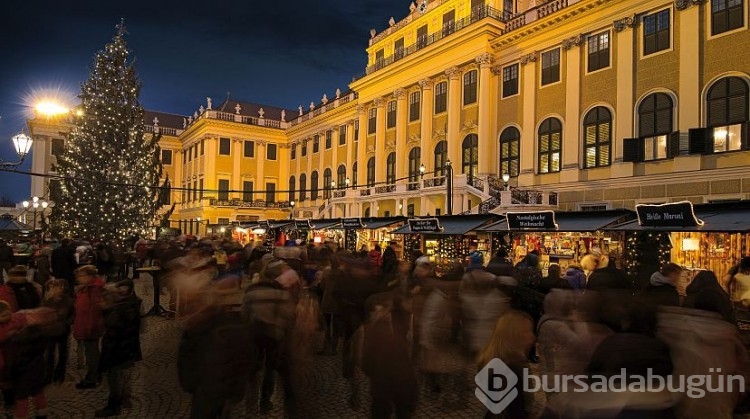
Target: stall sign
[(352, 223), (303, 224), (541, 220), (675, 214), (425, 225)]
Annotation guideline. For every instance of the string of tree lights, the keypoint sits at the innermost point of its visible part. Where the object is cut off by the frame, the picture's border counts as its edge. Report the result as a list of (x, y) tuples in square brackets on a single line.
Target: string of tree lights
[(108, 143)]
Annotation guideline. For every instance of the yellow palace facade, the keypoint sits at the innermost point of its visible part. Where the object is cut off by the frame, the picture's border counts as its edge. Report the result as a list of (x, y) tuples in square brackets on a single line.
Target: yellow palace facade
[(579, 104)]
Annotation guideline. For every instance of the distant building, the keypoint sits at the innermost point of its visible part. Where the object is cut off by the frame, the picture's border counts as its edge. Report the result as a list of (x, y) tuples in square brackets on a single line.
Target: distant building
[(585, 104)]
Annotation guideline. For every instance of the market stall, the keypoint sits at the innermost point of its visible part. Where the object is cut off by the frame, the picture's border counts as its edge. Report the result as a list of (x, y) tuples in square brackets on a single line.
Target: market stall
[(365, 233), (559, 237), (445, 239), (697, 237)]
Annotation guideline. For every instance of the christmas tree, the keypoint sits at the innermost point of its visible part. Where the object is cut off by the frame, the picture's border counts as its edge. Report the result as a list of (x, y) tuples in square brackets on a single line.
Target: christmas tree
[(110, 170)]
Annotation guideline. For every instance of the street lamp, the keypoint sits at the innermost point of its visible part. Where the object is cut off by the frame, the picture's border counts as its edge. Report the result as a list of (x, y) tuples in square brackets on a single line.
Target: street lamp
[(22, 144), (35, 203), (422, 169), (506, 178), (346, 182), (291, 213), (449, 186)]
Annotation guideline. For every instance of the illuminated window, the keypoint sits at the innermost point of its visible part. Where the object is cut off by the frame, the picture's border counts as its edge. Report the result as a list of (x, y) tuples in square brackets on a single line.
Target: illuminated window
[(597, 138), (510, 141), (598, 51), (550, 145)]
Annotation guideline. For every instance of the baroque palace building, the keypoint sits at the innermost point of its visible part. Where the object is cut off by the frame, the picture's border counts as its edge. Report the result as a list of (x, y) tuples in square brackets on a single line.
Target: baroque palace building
[(584, 104)]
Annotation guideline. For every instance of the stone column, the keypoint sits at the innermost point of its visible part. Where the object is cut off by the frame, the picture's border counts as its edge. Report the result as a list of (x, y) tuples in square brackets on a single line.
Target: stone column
[(425, 135), (486, 114), (380, 155), (626, 56), (321, 164), (454, 118), (335, 153), (177, 181), (362, 148), (209, 181), (528, 124), (350, 148), (298, 162), (571, 143), (236, 183), (689, 91), (260, 176), (284, 170), (402, 120)]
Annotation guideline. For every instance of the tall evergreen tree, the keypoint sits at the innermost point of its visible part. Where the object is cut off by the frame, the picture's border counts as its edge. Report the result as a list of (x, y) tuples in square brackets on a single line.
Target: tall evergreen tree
[(110, 168)]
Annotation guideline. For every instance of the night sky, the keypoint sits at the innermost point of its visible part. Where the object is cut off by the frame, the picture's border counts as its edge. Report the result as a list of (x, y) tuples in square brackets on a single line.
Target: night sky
[(284, 53)]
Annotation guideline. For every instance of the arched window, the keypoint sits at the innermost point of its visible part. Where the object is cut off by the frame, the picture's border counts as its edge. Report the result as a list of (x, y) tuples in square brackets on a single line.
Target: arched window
[(655, 116), (354, 174), (415, 160), (314, 185), (390, 169), (292, 185), (367, 212), (371, 172), (470, 155), (727, 105), (550, 145), (327, 179), (341, 177), (510, 143), (441, 157), (597, 138), (302, 187)]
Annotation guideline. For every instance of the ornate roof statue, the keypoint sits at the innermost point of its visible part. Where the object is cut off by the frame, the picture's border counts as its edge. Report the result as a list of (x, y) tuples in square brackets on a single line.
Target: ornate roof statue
[(208, 103)]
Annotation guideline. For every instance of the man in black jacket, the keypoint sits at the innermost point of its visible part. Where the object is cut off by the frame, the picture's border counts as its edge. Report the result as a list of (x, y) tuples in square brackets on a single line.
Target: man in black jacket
[(64, 263), (6, 258)]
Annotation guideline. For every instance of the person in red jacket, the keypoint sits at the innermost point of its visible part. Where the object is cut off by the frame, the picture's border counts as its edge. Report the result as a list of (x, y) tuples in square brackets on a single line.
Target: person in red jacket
[(88, 326), (376, 260)]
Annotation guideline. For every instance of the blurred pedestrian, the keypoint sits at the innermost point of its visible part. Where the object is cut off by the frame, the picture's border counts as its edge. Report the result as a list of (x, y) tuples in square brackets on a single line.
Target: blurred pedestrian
[(88, 326), (58, 298), (661, 289), (121, 345), (705, 293)]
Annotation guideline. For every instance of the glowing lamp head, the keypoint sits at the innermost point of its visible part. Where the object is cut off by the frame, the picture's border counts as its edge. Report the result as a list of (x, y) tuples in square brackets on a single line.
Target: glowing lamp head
[(422, 168), (22, 144), (25, 204), (291, 203), (506, 177), (50, 108)]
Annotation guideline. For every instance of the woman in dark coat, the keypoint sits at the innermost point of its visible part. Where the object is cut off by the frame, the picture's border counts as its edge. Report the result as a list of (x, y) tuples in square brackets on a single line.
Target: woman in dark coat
[(121, 345), (705, 293)]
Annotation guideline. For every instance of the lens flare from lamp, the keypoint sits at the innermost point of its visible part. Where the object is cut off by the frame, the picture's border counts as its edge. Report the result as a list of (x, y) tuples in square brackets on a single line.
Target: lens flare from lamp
[(51, 108)]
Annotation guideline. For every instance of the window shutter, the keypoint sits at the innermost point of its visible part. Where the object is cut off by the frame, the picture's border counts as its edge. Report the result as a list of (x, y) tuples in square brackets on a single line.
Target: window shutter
[(673, 145), (632, 150), (699, 143), (746, 136)]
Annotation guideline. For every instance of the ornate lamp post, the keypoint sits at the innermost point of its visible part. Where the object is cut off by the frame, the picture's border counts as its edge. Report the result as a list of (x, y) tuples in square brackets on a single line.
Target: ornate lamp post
[(449, 186), (22, 144), (506, 178), (291, 213), (35, 203)]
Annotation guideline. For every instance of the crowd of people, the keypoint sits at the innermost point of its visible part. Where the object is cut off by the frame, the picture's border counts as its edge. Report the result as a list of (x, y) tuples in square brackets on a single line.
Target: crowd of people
[(251, 315)]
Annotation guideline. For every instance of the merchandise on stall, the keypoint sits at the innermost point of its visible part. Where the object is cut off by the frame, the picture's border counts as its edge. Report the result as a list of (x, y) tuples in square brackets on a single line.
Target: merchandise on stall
[(365, 233)]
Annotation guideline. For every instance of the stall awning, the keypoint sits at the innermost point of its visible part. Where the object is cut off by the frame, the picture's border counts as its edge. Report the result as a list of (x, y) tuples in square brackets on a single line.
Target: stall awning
[(737, 220), (324, 224), (572, 222), (452, 225)]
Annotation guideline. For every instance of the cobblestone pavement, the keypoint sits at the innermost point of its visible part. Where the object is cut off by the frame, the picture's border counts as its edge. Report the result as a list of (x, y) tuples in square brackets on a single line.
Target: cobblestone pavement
[(156, 392)]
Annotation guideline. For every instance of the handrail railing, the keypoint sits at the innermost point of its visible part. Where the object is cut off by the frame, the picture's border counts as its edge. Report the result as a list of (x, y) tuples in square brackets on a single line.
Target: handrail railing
[(247, 204)]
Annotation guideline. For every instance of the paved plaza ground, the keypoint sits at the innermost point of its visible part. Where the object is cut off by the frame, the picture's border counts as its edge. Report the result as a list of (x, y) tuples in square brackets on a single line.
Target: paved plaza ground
[(157, 393)]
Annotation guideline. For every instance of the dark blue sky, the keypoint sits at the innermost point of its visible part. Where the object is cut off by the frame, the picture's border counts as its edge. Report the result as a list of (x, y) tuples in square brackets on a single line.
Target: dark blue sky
[(284, 53)]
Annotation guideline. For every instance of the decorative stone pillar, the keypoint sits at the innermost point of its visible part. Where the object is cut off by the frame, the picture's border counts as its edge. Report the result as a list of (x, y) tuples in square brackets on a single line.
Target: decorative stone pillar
[(210, 182), (571, 144), (236, 171), (402, 120), (362, 148), (284, 170), (351, 147), (380, 156), (425, 135), (454, 118), (177, 181), (689, 91), (486, 113), (626, 56), (528, 124), (260, 158)]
